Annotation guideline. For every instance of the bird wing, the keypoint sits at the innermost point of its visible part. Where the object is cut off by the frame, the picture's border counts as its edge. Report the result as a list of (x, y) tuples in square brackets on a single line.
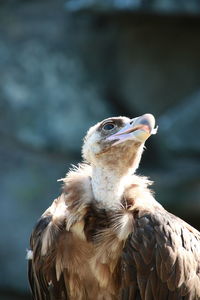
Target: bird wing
[(58, 245), (161, 258), (44, 280)]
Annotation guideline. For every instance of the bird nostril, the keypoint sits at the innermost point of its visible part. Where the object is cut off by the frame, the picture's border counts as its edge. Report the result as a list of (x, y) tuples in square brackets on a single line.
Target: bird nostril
[(131, 122)]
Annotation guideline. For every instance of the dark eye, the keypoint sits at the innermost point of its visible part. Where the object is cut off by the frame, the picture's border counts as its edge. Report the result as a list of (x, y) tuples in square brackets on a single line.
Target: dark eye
[(108, 126)]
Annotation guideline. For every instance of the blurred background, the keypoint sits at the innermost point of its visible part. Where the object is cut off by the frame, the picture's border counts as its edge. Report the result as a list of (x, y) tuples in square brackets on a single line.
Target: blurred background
[(64, 65)]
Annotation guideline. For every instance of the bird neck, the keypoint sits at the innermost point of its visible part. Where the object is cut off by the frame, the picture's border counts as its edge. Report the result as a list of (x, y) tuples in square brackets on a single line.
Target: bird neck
[(108, 186)]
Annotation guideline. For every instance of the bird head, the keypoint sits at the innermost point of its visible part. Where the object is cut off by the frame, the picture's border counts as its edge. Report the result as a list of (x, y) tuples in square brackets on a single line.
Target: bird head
[(118, 141)]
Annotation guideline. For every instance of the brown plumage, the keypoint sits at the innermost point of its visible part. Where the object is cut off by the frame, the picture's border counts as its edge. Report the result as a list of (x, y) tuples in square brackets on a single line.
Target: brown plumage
[(106, 237)]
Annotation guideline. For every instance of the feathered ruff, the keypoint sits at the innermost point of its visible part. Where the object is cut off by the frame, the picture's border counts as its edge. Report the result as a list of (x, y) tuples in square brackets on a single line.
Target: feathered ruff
[(137, 251)]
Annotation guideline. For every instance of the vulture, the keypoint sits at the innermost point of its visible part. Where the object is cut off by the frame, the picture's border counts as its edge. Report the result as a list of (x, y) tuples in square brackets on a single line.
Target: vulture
[(106, 237)]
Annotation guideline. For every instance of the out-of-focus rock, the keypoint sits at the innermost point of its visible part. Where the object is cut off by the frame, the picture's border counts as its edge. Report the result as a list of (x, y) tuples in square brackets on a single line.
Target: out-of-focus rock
[(48, 98), (158, 64), (158, 6), (180, 127)]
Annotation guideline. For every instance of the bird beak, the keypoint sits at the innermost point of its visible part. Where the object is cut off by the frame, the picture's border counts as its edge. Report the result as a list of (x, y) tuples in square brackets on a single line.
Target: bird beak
[(138, 129)]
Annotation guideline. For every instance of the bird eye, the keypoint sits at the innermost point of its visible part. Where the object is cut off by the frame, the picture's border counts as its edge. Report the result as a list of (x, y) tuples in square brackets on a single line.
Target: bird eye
[(108, 126)]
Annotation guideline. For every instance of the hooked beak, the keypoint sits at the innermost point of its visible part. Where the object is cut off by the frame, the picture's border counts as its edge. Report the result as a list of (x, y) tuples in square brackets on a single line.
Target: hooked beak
[(138, 129)]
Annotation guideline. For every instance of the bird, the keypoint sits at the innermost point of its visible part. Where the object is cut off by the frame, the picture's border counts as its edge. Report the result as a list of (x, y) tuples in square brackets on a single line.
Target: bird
[(106, 237)]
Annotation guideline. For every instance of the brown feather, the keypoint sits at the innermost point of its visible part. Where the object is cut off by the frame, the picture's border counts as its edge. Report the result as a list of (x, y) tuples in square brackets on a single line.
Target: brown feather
[(139, 251)]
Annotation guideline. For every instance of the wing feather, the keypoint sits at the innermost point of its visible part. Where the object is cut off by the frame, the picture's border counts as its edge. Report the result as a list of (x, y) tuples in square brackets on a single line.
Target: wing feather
[(166, 254), (44, 283)]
